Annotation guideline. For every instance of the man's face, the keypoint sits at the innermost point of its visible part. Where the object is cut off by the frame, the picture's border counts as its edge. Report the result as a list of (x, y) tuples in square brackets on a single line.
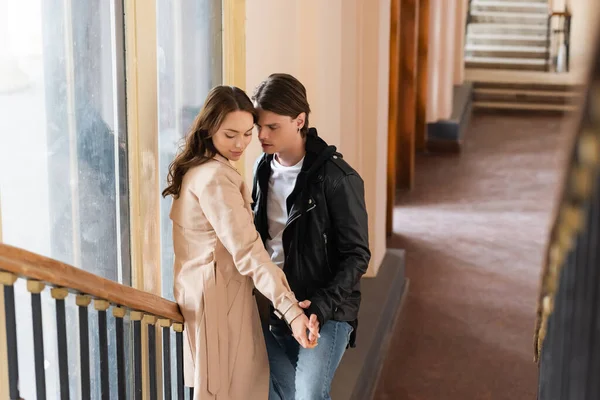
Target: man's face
[(278, 133)]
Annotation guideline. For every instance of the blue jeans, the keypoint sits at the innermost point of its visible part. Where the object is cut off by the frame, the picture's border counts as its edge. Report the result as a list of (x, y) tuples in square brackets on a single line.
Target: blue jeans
[(305, 374)]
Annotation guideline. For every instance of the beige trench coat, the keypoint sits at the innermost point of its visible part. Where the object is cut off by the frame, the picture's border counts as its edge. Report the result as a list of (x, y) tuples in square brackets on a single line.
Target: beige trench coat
[(219, 259)]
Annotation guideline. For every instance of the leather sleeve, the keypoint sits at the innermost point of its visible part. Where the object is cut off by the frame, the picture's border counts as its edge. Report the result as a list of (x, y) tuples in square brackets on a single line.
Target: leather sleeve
[(223, 205), (348, 213)]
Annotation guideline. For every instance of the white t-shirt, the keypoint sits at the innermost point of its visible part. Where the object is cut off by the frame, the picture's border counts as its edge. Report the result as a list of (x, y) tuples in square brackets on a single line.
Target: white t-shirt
[(281, 185)]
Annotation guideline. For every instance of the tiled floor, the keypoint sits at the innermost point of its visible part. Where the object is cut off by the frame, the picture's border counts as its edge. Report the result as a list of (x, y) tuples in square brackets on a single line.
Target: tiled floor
[(474, 229)]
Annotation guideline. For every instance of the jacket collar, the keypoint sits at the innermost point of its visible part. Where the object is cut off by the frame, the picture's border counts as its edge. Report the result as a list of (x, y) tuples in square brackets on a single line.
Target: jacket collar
[(223, 160), (317, 152)]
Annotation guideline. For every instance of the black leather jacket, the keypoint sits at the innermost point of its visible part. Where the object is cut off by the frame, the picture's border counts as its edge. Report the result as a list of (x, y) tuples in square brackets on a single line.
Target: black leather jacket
[(325, 241)]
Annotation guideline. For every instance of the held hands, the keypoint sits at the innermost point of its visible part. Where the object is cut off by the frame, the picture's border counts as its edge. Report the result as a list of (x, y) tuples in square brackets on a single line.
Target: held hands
[(300, 326)]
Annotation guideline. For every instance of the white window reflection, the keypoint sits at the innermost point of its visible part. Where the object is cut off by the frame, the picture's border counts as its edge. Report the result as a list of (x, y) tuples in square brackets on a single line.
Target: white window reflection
[(189, 64), (63, 176)]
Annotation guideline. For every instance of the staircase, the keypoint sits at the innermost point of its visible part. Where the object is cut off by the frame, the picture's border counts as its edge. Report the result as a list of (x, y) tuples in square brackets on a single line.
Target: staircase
[(507, 59), (510, 90), (507, 34)]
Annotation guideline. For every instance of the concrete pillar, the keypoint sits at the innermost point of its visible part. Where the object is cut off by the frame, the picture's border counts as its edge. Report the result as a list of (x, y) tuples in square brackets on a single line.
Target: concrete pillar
[(584, 28), (447, 65), (442, 49), (434, 65), (459, 41)]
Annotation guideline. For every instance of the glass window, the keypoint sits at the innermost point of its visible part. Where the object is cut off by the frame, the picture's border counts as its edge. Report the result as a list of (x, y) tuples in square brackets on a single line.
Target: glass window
[(189, 57), (63, 176), (63, 165)]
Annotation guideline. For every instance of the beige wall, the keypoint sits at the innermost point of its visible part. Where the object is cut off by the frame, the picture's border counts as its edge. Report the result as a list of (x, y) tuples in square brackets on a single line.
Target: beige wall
[(339, 49)]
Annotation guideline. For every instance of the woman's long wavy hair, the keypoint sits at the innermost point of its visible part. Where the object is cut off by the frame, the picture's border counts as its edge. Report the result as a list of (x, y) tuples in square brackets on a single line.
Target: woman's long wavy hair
[(199, 147)]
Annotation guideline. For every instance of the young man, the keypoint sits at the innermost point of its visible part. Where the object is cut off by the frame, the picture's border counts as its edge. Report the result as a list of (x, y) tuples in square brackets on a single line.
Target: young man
[(309, 209)]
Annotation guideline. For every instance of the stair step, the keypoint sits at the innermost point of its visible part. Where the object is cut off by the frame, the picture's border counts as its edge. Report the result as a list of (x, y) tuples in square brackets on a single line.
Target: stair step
[(517, 85), (506, 39), (514, 1), (510, 6), (506, 48), (526, 92), (501, 60), (508, 36), (526, 64), (502, 51), (505, 79), (510, 28), (539, 19), (523, 106), (525, 96)]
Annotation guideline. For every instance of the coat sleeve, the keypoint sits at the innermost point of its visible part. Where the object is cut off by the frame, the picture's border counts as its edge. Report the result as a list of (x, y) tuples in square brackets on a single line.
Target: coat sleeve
[(348, 213), (223, 205)]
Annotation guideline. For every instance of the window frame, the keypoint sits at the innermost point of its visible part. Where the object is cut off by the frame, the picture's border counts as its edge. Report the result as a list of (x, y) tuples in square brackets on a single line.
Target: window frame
[(143, 143)]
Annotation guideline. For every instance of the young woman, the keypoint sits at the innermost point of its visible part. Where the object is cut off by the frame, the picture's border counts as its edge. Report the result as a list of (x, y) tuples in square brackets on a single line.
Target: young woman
[(220, 258)]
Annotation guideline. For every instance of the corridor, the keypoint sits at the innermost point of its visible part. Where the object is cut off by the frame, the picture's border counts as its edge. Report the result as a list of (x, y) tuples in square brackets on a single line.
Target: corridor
[(474, 230)]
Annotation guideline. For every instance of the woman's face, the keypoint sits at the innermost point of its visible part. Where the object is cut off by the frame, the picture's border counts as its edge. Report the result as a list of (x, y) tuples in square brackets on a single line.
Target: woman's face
[(234, 134)]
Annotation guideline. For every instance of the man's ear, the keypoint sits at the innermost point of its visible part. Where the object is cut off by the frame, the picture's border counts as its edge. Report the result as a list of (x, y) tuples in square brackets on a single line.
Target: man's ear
[(300, 120)]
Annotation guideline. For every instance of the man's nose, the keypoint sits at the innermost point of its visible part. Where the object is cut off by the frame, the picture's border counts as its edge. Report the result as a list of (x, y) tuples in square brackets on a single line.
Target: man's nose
[(262, 134)]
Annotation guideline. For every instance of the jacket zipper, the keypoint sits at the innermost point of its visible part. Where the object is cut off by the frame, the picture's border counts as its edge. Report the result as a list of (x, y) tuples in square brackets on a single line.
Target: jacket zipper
[(289, 223), (298, 216)]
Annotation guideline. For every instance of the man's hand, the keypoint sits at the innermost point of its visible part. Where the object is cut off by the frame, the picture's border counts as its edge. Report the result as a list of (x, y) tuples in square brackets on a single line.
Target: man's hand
[(313, 324)]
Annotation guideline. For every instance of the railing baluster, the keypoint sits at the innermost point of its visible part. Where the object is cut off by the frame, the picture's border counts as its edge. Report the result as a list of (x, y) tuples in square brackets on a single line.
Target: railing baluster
[(136, 317), (165, 324), (178, 328), (150, 320), (8, 280), (119, 314), (59, 295), (101, 306), (36, 288), (127, 377), (83, 302)]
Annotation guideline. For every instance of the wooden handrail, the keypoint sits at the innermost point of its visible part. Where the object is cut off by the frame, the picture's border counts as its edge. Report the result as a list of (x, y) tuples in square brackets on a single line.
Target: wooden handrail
[(34, 266)]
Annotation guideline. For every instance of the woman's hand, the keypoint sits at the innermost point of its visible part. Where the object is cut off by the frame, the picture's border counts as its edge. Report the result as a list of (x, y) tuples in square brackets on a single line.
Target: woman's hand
[(299, 326)]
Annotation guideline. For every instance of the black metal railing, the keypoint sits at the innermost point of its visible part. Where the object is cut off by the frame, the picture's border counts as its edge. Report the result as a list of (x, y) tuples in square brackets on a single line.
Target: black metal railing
[(111, 303), (558, 35), (568, 328)]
